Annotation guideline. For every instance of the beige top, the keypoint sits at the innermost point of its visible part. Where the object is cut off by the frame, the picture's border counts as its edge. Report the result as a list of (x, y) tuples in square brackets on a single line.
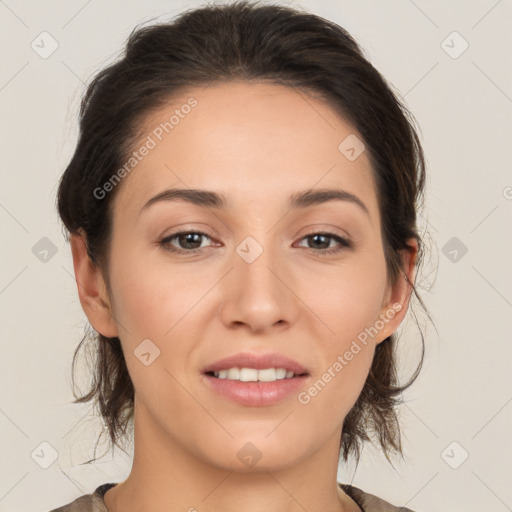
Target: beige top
[(366, 502)]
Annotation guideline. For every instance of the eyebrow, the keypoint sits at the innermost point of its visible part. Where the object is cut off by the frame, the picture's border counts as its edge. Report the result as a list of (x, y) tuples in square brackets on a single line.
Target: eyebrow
[(210, 199)]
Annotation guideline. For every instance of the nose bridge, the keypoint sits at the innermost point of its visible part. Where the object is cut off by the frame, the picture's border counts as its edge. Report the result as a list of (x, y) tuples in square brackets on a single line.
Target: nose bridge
[(255, 294), (257, 262)]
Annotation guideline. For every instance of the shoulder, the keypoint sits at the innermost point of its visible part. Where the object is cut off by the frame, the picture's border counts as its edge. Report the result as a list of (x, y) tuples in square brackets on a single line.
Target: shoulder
[(88, 502), (369, 502)]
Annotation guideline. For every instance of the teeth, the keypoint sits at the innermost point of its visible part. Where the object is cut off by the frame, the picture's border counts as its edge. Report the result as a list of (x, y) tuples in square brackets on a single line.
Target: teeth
[(281, 373), (248, 375), (254, 375), (233, 374)]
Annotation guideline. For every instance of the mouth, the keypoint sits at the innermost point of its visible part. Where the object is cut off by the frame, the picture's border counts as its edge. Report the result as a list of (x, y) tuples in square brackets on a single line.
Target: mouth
[(255, 380), (254, 374), (253, 367)]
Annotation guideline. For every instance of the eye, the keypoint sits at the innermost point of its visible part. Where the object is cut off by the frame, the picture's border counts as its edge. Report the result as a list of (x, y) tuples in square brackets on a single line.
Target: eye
[(319, 239), (189, 242)]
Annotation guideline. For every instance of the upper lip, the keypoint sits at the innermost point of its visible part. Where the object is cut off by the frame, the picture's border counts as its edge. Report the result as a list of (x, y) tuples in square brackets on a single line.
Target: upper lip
[(257, 361)]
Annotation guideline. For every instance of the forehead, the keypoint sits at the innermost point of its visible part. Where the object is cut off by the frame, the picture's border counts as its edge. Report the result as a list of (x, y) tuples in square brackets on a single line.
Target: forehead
[(247, 140)]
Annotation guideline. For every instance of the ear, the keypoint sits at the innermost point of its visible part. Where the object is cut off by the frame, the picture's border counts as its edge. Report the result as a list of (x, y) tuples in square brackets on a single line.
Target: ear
[(396, 302), (91, 288)]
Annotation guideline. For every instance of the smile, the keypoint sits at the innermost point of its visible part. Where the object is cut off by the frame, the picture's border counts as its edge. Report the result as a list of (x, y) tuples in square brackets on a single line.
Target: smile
[(253, 374)]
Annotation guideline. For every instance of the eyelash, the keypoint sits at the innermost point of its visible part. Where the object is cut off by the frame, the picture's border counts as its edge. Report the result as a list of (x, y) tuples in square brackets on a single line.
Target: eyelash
[(345, 244)]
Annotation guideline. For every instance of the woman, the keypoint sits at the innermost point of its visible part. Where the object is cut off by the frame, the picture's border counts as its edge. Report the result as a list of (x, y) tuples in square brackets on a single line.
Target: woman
[(242, 215)]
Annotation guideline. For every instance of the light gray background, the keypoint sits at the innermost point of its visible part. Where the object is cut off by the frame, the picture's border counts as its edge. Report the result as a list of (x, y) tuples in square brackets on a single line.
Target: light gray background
[(464, 108)]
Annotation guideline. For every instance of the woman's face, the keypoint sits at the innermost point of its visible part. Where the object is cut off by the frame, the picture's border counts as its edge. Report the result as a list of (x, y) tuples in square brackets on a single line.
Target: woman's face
[(251, 281)]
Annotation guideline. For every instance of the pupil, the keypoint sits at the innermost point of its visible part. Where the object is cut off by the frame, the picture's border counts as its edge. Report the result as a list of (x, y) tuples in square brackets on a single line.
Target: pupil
[(315, 237), (188, 239)]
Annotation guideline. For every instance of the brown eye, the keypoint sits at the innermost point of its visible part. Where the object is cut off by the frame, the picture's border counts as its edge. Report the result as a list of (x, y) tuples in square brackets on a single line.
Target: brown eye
[(188, 241), (324, 240)]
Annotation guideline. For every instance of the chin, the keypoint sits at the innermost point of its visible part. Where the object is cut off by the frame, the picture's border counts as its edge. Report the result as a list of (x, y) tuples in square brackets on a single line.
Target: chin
[(256, 455)]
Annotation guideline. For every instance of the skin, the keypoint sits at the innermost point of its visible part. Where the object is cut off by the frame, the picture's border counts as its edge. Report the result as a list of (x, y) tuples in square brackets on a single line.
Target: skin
[(256, 143)]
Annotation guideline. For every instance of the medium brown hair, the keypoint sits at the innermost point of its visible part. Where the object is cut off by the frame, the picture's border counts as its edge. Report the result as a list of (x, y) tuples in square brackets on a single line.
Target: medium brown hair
[(252, 42)]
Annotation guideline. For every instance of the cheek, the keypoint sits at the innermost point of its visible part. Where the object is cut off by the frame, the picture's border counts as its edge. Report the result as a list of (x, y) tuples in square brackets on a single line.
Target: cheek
[(345, 357), (159, 302), (151, 298), (329, 398), (347, 298), (349, 301)]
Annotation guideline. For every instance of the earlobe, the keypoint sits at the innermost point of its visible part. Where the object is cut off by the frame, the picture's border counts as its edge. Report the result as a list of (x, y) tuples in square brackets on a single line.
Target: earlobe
[(91, 288)]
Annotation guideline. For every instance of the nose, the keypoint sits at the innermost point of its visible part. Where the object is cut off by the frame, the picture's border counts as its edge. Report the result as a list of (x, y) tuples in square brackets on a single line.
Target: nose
[(257, 294)]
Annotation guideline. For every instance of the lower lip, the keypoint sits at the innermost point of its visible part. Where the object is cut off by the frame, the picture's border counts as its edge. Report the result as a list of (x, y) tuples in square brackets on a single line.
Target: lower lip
[(256, 394)]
